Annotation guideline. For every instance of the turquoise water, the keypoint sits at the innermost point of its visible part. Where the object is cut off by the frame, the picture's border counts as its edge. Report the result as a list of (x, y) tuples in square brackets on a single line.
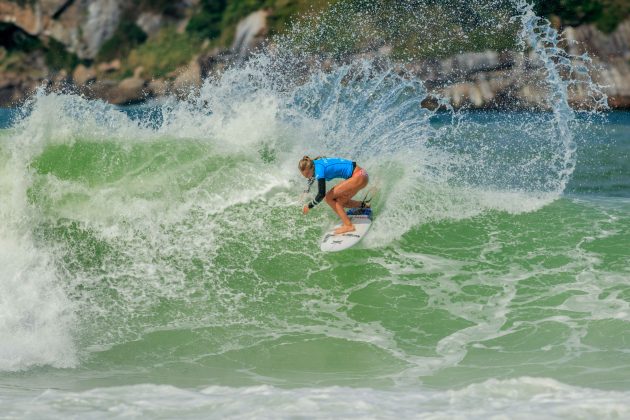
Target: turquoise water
[(155, 261)]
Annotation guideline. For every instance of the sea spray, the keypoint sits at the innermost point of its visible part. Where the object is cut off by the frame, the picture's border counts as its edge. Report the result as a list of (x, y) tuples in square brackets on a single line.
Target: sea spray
[(563, 71), (187, 225)]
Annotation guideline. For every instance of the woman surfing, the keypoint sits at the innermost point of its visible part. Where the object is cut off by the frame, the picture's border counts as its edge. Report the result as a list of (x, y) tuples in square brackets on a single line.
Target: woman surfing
[(322, 169)]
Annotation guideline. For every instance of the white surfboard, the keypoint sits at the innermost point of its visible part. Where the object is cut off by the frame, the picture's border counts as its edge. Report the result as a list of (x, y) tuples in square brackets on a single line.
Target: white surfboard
[(361, 219)]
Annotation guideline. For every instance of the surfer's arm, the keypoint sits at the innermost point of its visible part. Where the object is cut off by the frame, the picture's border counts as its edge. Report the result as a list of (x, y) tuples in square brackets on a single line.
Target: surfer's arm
[(321, 193)]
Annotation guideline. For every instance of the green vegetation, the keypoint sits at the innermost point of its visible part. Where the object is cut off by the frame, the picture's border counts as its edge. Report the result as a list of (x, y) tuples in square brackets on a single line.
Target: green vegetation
[(467, 29), (163, 7), (126, 37), (429, 29), (58, 58), (164, 53), (217, 19), (23, 3), (606, 14), (19, 46), (208, 22), (12, 61), (344, 27)]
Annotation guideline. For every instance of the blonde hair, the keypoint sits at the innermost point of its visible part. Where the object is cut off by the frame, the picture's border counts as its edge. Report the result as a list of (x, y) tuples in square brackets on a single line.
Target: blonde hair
[(307, 163)]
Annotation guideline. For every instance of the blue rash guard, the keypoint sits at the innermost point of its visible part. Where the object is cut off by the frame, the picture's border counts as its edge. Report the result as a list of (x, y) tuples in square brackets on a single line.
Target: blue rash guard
[(327, 169)]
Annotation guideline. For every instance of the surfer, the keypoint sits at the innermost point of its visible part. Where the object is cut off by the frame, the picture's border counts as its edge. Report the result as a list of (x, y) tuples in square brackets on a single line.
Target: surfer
[(322, 169)]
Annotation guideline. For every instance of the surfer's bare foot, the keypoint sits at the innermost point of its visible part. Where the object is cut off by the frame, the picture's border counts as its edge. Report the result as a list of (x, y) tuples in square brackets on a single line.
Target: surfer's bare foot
[(344, 229)]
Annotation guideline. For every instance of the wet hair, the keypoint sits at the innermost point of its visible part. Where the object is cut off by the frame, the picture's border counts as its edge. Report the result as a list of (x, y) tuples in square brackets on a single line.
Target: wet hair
[(307, 163)]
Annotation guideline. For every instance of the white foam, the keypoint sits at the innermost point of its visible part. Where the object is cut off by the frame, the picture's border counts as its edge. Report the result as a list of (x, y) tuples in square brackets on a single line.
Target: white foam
[(36, 318), (520, 398)]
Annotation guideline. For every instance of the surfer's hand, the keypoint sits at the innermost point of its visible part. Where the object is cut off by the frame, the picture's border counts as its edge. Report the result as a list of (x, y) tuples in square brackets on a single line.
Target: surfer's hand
[(305, 210)]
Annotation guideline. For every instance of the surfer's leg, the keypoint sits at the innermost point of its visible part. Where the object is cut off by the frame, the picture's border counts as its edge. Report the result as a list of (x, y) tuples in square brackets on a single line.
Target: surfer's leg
[(338, 207), (330, 198), (336, 203), (345, 201), (347, 223), (347, 189), (352, 204), (341, 196)]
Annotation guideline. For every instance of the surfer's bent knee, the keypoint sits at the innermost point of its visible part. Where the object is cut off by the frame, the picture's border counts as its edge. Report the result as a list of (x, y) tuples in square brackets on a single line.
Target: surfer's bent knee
[(330, 196)]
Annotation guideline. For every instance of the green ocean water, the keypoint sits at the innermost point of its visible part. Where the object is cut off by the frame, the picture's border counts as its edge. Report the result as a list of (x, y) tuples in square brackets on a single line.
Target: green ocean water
[(165, 262), (154, 260)]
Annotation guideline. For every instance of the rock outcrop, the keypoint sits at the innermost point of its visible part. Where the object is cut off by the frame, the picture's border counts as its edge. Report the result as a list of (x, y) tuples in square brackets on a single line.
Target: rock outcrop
[(81, 25), (24, 18), (611, 55), (487, 79), (250, 33), (492, 80), (150, 23), (83, 75), (189, 79)]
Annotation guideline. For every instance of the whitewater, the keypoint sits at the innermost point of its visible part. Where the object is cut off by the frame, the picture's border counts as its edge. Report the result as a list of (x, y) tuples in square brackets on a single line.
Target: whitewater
[(154, 260)]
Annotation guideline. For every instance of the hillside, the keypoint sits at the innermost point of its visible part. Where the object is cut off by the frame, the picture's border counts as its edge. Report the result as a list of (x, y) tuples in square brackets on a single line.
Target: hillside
[(126, 52)]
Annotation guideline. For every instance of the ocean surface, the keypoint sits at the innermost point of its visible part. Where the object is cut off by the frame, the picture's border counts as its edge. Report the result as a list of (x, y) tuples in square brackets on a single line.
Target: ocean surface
[(154, 260)]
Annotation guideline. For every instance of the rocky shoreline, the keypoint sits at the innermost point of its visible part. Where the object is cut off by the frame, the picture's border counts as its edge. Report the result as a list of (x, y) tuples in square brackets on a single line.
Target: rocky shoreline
[(481, 80)]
